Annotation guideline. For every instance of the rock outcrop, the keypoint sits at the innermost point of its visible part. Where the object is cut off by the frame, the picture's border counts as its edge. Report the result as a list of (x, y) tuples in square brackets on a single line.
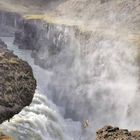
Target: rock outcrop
[(114, 133), (17, 84)]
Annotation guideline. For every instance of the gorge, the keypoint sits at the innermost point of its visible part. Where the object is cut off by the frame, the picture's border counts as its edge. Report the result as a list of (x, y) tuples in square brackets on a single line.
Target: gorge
[(86, 70)]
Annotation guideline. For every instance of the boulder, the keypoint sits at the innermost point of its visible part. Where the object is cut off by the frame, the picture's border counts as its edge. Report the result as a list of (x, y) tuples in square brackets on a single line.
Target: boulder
[(17, 84), (114, 133)]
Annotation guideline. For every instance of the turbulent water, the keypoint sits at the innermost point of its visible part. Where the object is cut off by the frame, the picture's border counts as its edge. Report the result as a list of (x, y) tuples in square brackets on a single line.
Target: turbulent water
[(42, 119), (100, 87)]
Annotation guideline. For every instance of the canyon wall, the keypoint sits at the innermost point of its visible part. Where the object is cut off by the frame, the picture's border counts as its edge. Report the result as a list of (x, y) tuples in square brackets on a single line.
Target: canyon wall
[(9, 22), (91, 54)]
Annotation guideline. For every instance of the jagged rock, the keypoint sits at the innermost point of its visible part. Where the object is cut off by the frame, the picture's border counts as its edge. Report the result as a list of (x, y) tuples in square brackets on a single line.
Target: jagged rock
[(114, 133), (17, 83)]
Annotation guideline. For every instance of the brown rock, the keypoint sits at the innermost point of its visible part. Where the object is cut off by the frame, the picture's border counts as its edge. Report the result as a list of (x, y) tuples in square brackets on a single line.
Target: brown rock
[(17, 84), (114, 133), (5, 138)]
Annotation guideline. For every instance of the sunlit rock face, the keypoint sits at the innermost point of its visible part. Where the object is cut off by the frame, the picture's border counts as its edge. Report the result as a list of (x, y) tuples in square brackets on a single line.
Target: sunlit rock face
[(17, 84), (114, 133)]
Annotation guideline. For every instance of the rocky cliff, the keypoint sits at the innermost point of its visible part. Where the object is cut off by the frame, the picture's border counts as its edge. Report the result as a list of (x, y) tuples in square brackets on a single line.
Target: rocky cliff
[(17, 84)]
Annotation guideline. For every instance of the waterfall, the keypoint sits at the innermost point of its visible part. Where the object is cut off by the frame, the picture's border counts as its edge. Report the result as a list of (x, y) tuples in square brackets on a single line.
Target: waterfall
[(99, 85), (42, 119)]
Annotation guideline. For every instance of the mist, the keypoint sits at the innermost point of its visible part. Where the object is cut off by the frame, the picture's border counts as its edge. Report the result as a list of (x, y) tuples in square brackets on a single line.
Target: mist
[(86, 62)]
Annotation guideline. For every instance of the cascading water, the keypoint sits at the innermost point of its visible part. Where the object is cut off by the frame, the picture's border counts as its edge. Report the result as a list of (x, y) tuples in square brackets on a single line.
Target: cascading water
[(98, 85), (42, 119)]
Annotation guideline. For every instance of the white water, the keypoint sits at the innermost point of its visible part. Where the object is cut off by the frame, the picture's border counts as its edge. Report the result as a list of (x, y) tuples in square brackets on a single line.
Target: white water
[(41, 120), (100, 87)]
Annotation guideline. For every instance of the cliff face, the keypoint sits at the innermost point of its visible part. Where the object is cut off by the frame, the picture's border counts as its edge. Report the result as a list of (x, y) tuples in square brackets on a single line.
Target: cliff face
[(17, 84), (27, 36), (3, 137), (45, 39), (8, 23)]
